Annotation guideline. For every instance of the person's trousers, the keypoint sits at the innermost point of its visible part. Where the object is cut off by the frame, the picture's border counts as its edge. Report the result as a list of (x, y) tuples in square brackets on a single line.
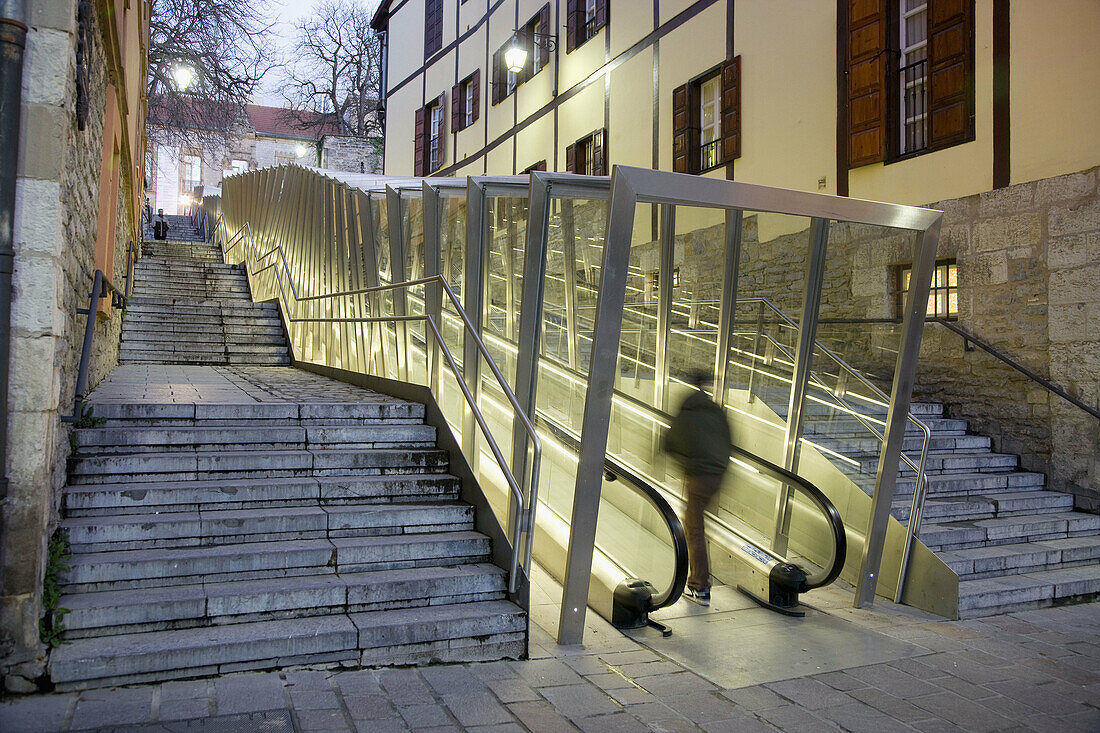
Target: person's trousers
[(700, 490)]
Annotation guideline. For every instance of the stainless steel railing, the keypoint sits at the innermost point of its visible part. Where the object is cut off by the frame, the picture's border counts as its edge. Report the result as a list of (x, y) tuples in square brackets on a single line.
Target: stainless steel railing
[(525, 503)]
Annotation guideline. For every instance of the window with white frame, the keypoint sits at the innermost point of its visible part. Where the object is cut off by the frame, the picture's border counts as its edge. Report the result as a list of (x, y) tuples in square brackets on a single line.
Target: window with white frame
[(436, 126), (469, 103), (710, 122), (192, 173), (913, 73)]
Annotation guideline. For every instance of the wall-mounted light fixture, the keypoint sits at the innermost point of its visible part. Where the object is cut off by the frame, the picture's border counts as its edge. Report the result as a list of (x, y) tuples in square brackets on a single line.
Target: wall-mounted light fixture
[(515, 57), (300, 150)]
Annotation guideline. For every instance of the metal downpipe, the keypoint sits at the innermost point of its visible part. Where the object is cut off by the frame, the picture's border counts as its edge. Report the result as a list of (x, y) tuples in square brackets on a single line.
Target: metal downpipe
[(13, 41)]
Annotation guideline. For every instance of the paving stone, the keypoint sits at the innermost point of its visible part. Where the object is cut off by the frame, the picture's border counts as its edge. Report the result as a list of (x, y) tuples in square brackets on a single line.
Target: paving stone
[(509, 691), (502, 728), (494, 670), (859, 718), (357, 683), (183, 708), (1040, 697), (840, 681), (754, 698), (119, 709), (321, 720), (370, 707), (579, 701), (452, 680), (674, 684), (892, 680), (891, 705), (424, 716), (613, 723), (630, 695), (36, 713), (314, 699), (404, 686), (808, 693), (652, 713), (703, 707), (609, 681), (964, 713), (793, 717), (546, 673), (477, 709), (741, 722), (248, 692), (542, 717)]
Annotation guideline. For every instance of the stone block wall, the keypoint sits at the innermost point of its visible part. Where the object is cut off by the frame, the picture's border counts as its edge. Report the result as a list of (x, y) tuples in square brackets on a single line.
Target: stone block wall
[(351, 154), (57, 200)]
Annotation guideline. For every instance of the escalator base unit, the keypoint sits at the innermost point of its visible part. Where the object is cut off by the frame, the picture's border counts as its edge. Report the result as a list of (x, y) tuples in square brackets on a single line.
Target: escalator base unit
[(774, 585), (632, 604)]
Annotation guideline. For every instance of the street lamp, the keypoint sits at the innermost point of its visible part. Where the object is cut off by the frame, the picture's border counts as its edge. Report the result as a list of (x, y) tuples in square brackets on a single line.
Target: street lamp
[(183, 76), (300, 150), (515, 58)]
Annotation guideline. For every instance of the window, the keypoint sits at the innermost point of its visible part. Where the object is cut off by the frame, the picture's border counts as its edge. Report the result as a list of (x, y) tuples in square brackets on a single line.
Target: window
[(943, 296), (465, 101), (540, 166), (428, 137), (536, 36), (584, 20), (913, 29), (706, 119), (588, 156), (433, 26), (653, 281), (909, 78), (192, 173)]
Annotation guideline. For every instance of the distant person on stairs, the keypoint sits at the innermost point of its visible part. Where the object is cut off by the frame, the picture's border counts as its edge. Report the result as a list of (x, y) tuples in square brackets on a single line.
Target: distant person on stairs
[(699, 438), (160, 226)]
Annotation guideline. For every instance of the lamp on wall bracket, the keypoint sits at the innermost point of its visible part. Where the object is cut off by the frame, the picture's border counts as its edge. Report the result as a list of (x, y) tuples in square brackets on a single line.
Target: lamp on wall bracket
[(515, 57)]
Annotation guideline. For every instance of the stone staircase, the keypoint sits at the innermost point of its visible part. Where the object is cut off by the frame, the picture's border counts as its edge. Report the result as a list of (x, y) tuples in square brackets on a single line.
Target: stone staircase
[(190, 308), (226, 518), (1014, 544)]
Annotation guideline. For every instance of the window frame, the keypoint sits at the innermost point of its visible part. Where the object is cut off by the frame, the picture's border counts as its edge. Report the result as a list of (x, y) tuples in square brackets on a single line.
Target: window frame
[(469, 103), (433, 160), (901, 97), (944, 267), (714, 76)]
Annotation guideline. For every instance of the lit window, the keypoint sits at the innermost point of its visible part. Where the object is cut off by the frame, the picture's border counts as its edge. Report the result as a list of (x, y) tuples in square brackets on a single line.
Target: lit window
[(192, 172), (943, 296), (913, 71), (470, 102)]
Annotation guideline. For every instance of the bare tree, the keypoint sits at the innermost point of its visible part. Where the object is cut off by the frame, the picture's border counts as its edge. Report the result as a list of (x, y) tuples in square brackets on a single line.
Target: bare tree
[(225, 43), (337, 67)]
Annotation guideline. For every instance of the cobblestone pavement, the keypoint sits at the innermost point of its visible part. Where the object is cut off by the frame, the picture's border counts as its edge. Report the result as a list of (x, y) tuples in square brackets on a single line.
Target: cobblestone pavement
[(1027, 671)]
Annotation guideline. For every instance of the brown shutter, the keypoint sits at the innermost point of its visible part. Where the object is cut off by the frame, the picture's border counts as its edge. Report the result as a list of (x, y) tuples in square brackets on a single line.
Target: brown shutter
[(498, 78), (571, 158), (544, 42), (433, 27), (599, 152), (681, 129), (601, 14), (951, 72), (731, 109), (458, 119), (570, 25), (418, 144), (475, 82), (866, 82)]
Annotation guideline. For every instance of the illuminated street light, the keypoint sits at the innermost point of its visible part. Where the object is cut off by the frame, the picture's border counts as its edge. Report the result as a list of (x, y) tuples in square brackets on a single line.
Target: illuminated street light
[(515, 58), (183, 76), (300, 150)]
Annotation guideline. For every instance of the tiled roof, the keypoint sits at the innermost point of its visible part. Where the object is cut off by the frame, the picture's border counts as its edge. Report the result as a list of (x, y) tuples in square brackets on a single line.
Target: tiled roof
[(282, 122)]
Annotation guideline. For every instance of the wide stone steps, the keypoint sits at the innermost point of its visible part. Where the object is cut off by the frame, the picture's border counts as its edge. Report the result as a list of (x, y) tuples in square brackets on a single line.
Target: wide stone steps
[(1009, 503), (208, 527), (92, 441), (206, 465), (971, 484), (382, 411), (945, 463), (976, 563), (466, 632), (209, 360), (1013, 592), (95, 500), (154, 338), (103, 613), (168, 566), (1008, 530)]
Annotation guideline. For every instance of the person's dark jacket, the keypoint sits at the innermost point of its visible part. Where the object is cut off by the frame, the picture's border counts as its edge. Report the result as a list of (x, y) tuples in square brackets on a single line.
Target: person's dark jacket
[(700, 436), (160, 227)]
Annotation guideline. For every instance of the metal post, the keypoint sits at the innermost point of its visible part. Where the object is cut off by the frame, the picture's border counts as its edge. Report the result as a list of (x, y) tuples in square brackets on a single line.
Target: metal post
[(916, 304), (597, 412), (433, 294), (397, 275), (569, 269), (726, 309), (664, 308), (807, 333), (473, 304)]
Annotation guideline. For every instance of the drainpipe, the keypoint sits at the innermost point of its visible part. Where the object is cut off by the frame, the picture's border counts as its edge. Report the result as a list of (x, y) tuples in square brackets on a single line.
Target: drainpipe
[(13, 39)]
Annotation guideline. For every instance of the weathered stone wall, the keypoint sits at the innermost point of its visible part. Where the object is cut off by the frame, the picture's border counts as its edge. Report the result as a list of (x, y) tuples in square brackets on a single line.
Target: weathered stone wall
[(351, 154), (57, 199)]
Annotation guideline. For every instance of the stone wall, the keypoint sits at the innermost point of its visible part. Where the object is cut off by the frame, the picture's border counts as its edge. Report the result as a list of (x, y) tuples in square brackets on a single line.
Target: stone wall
[(351, 154), (57, 199)]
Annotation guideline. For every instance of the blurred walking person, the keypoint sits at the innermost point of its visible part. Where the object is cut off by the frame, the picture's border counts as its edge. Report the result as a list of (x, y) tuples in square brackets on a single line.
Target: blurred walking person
[(699, 438)]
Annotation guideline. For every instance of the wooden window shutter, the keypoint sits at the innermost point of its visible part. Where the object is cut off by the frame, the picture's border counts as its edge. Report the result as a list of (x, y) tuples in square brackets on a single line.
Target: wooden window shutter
[(866, 87), (601, 14), (475, 82), (418, 144), (544, 42), (599, 152), (951, 72), (570, 25), (498, 78), (571, 158), (458, 119), (681, 129), (433, 27), (731, 109)]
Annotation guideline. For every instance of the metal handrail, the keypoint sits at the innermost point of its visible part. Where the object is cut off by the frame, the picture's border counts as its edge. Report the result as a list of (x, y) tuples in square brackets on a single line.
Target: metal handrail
[(525, 512), (101, 288)]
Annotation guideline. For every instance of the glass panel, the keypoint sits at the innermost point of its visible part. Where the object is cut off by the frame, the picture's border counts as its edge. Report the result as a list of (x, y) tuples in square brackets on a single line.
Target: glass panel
[(384, 301), (638, 340), (412, 227), (452, 249), (504, 262)]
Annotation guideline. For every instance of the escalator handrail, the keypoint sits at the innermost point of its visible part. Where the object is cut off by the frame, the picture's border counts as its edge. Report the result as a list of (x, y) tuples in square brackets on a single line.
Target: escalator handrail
[(832, 516), (675, 527)]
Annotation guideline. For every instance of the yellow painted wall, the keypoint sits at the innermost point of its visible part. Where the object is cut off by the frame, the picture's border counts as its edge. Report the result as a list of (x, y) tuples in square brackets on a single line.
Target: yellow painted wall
[(630, 140), (406, 42), (578, 117), (400, 116), (788, 139), (535, 143), (957, 171), (628, 24), (1055, 87), (672, 8)]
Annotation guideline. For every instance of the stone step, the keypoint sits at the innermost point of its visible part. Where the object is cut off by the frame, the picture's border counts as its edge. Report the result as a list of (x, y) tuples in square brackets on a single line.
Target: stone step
[(172, 268), (452, 633), (988, 596), (968, 484), (911, 445), (976, 563), (238, 346), (92, 441), (137, 331), (217, 308), (1009, 503), (204, 465), (1008, 530), (213, 291), (207, 360), (216, 526), (152, 340), (82, 500), (371, 410), (945, 463), (186, 323), (167, 566), (187, 606), (849, 427)]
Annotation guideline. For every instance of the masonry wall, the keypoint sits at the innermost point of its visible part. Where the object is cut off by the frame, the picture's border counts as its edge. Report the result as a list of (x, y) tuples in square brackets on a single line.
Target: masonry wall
[(351, 154), (57, 200)]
